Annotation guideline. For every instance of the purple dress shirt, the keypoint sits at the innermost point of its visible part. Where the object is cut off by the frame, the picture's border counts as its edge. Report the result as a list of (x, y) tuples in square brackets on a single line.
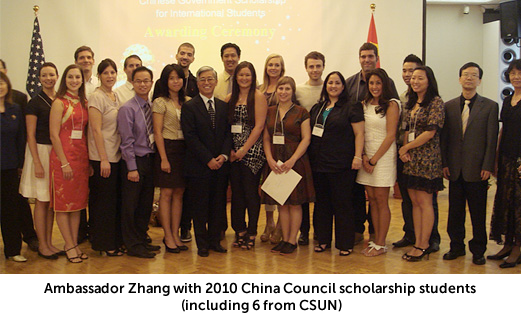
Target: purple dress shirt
[(133, 130)]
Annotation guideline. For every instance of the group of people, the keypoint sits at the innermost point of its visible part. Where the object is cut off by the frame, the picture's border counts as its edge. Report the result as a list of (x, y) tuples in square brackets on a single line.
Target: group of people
[(90, 145)]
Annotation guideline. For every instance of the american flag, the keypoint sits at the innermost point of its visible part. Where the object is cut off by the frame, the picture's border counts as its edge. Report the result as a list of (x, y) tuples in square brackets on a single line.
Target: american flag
[(36, 59)]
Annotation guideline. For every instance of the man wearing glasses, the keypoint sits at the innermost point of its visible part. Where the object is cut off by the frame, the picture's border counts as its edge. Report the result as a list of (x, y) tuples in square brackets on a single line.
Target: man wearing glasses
[(468, 150), (208, 145), (137, 149)]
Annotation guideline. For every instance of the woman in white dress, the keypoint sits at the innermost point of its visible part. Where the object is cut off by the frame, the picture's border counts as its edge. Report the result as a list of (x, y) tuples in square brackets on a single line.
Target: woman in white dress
[(381, 113), (35, 174)]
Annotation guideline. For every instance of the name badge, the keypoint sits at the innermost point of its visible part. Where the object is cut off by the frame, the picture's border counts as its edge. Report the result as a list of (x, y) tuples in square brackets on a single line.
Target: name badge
[(410, 137), (318, 130), (76, 134), (236, 129), (151, 138), (278, 139)]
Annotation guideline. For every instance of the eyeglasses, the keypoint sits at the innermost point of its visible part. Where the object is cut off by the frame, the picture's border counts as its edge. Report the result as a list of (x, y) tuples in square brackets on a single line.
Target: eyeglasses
[(209, 80), (142, 81), (471, 75)]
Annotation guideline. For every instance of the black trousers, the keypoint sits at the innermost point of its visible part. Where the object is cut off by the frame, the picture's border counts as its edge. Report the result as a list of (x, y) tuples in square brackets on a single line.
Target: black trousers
[(206, 204), (245, 196), (10, 220), (26, 217), (462, 192), (137, 199), (408, 225), (331, 190), (105, 208), (360, 209), (186, 219), (306, 224)]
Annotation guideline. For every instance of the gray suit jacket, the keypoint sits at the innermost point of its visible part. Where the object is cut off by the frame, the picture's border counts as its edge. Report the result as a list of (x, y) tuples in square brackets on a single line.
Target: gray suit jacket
[(476, 151)]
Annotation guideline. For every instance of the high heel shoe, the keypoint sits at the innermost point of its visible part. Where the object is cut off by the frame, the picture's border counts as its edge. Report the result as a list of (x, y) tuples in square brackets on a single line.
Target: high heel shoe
[(171, 250), (276, 236), (416, 258), (319, 248), (505, 264)]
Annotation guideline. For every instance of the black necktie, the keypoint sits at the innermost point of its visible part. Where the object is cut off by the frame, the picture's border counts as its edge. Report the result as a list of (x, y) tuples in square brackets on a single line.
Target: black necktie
[(211, 111)]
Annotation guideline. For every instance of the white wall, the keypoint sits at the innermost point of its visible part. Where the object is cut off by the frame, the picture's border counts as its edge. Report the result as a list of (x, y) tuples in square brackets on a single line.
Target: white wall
[(454, 39)]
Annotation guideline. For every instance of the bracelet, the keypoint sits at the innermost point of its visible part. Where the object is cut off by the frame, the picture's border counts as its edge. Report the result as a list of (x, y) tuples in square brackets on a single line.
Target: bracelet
[(371, 163), (359, 158), (66, 165)]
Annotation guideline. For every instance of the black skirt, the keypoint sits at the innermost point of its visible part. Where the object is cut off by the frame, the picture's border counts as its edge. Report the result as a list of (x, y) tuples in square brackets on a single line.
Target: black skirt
[(175, 152)]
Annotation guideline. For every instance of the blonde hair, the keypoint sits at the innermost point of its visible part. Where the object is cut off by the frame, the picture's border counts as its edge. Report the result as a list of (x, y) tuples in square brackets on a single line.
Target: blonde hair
[(265, 77)]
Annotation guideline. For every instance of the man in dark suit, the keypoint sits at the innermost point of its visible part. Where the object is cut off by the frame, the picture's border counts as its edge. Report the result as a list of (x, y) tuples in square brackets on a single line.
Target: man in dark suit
[(208, 145), (468, 142)]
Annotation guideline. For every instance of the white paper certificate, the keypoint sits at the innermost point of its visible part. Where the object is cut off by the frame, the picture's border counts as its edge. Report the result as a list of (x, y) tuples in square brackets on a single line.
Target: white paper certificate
[(280, 186)]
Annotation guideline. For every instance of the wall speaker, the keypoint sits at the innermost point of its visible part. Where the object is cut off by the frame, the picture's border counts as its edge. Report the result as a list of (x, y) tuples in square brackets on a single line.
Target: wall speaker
[(510, 19), (508, 52)]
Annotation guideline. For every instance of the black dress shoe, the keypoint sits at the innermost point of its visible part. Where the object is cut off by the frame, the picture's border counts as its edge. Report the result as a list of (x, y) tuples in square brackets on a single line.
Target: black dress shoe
[(48, 257), (141, 252), (403, 243), (478, 260), (203, 253), (218, 248), (453, 255), (151, 247)]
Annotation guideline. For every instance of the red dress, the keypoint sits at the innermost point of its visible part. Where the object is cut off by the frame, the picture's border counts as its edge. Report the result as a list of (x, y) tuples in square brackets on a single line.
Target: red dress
[(71, 195)]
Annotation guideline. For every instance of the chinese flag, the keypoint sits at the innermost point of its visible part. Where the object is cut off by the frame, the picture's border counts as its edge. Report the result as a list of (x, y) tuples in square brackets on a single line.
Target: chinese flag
[(371, 36)]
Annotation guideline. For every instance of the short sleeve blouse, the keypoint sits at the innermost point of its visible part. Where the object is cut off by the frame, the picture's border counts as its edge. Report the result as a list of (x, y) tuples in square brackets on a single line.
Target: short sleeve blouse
[(109, 126), (335, 150), (40, 106), (172, 118)]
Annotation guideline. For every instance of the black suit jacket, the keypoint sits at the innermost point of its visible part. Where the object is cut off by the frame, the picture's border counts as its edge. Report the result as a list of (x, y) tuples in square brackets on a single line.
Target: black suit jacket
[(476, 151), (202, 142)]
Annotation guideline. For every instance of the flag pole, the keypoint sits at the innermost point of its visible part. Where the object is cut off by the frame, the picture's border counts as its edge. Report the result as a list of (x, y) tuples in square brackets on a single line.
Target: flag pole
[(36, 8), (373, 7)]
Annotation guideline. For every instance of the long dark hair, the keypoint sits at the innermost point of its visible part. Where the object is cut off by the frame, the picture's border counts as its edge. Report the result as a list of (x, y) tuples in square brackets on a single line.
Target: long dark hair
[(9, 95), (432, 89), (250, 102), (62, 89), (324, 96), (163, 81), (387, 93)]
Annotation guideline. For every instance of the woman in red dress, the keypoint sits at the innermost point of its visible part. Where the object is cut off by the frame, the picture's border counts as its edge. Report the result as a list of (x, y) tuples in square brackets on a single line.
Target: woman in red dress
[(69, 162)]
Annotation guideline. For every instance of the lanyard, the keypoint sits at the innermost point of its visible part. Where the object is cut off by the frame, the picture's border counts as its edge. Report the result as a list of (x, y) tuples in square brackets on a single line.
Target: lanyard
[(281, 121), (48, 104), (320, 113), (415, 118)]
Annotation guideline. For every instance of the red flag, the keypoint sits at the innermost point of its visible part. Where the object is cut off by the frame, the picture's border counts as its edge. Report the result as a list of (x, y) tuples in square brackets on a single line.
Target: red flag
[(371, 36)]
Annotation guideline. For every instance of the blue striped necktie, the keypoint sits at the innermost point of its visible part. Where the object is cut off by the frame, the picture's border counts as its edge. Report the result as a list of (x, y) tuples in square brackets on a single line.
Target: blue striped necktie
[(148, 120)]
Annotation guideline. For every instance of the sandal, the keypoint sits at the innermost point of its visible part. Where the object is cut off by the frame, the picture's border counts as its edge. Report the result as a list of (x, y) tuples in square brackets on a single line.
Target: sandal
[(239, 240), (374, 250), (75, 259), (322, 247), (114, 253), (346, 252), (249, 242)]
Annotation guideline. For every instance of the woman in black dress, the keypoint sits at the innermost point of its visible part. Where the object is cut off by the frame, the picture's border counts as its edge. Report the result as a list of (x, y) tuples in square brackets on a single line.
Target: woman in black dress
[(506, 218)]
